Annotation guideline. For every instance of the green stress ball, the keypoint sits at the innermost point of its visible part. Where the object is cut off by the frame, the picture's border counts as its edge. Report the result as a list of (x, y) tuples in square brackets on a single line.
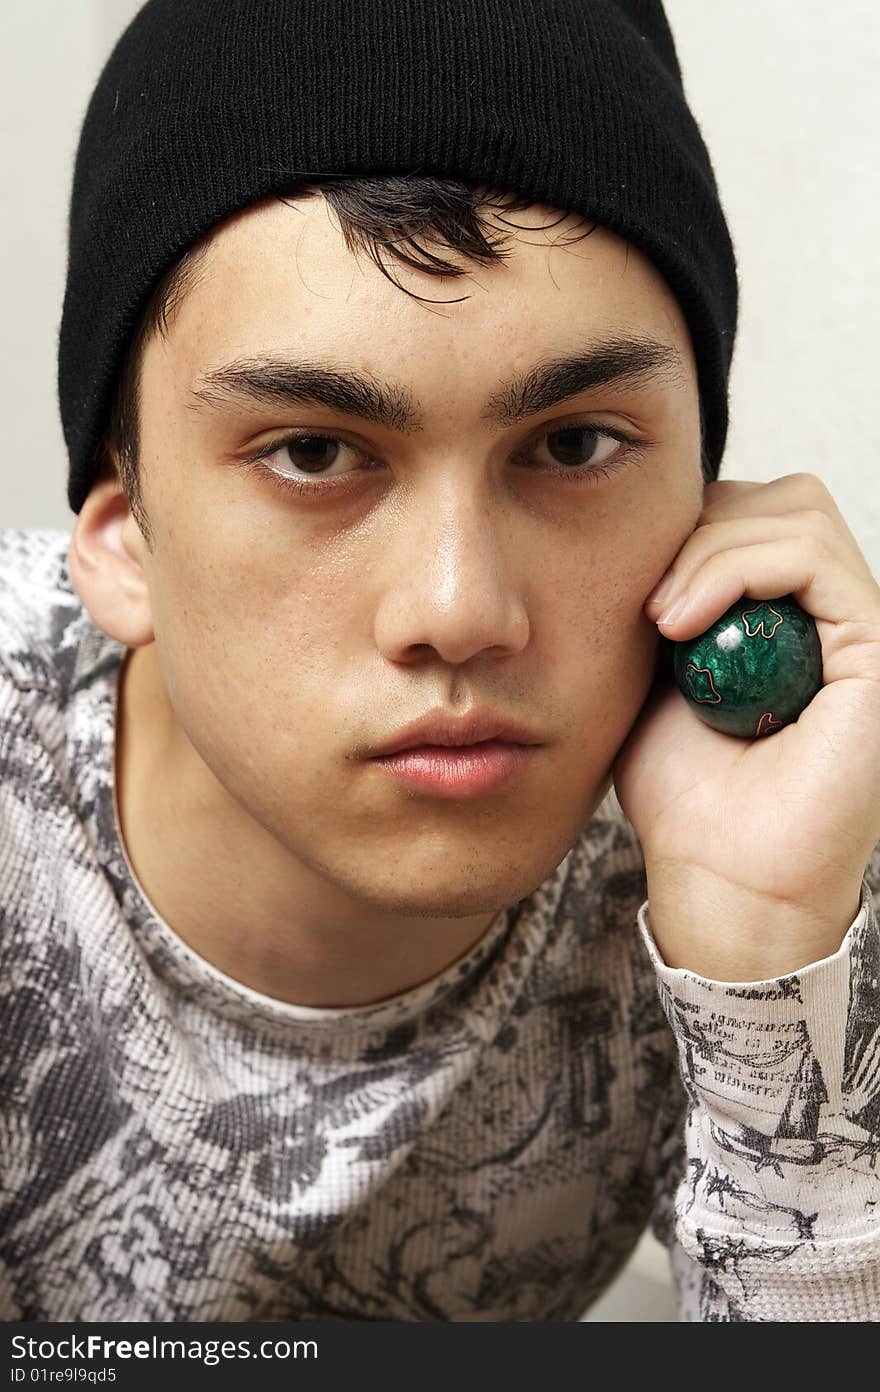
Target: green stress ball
[(754, 670)]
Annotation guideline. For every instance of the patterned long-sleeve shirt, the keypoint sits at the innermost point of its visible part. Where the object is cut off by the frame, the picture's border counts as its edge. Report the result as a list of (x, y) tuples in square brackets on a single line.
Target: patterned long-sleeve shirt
[(487, 1146)]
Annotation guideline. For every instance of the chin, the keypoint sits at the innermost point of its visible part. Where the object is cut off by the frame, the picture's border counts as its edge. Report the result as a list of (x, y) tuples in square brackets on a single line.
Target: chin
[(460, 905), (470, 889)]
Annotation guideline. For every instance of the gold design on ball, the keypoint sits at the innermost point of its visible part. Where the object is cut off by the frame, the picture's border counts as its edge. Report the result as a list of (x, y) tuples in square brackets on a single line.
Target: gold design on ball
[(767, 724), (690, 673), (759, 623)]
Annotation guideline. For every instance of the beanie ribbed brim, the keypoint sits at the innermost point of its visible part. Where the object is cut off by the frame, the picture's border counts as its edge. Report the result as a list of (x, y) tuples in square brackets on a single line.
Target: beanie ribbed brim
[(204, 107)]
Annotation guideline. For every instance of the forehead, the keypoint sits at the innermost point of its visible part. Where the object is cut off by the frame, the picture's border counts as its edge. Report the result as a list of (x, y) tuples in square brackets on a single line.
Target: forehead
[(280, 277)]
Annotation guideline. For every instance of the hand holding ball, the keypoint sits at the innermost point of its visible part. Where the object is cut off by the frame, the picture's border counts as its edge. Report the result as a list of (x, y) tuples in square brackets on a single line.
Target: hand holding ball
[(754, 670)]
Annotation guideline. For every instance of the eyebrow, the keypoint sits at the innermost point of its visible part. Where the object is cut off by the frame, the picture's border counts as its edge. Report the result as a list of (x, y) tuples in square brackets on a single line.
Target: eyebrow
[(275, 381)]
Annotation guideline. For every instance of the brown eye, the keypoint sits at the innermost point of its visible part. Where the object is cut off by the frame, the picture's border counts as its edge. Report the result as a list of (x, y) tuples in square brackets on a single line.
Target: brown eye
[(577, 445), (312, 453)]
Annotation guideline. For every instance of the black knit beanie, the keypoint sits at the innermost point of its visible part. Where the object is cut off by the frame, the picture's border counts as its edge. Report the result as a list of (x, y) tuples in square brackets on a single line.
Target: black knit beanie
[(206, 106)]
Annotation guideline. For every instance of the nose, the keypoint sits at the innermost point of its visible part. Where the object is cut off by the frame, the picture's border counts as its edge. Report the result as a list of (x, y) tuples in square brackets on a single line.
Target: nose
[(454, 572)]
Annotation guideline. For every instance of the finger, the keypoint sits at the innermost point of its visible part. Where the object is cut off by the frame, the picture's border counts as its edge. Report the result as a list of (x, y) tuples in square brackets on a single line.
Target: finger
[(789, 493), (720, 489), (711, 537), (803, 566)]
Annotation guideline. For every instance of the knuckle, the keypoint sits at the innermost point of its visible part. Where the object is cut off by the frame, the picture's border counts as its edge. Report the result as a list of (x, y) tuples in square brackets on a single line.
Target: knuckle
[(705, 540), (812, 485), (710, 529), (819, 522), (820, 547)]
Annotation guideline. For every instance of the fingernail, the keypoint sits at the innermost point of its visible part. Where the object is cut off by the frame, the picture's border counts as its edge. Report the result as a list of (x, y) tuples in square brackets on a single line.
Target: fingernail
[(656, 595), (674, 611)]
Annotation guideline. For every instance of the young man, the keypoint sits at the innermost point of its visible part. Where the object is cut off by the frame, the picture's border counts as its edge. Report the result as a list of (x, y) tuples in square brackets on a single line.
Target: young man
[(299, 1025)]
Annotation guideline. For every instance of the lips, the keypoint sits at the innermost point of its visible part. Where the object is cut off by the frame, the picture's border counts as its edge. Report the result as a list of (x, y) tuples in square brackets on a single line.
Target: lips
[(440, 729), (457, 771)]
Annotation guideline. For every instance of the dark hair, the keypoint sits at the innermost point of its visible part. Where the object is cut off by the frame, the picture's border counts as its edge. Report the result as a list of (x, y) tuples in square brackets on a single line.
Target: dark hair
[(374, 213)]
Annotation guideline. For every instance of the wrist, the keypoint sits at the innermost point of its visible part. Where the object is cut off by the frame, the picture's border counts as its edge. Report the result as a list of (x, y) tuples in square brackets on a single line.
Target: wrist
[(729, 932)]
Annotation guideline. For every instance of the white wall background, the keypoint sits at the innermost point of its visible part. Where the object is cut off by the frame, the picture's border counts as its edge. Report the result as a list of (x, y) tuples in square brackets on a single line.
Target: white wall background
[(787, 96)]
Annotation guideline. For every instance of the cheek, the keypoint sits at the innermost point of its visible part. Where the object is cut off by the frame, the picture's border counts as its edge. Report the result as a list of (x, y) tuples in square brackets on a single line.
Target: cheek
[(252, 646), (254, 689), (607, 654)]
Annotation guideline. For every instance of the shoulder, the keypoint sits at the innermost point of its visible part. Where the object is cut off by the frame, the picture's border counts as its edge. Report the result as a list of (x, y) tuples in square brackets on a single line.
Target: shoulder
[(605, 882), (41, 616), (50, 647), (872, 879), (591, 947)]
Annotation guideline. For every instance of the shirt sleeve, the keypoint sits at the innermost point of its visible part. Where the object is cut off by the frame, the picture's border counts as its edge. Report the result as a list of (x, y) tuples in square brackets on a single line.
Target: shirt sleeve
[(770, 1201)]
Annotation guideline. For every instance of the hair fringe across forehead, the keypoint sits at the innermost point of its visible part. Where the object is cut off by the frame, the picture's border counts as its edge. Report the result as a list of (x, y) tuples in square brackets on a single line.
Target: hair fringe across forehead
[(424, 128), (377, 214)]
